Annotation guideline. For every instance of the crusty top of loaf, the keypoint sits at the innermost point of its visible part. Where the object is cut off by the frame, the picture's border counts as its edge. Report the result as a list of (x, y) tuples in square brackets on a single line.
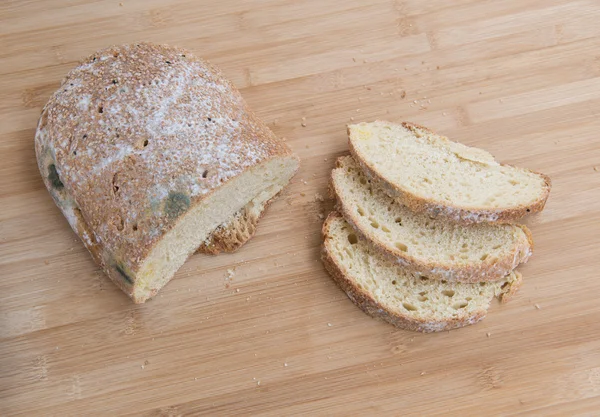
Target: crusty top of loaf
[(137, 134)]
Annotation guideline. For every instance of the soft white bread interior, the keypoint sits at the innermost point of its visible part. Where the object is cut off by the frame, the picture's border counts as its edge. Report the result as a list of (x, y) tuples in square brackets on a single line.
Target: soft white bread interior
[(408, 300), (434, 247), (430, 173)]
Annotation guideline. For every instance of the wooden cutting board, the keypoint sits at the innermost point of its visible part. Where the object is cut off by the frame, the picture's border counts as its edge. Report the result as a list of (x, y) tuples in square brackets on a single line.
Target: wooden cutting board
[(520, 78)]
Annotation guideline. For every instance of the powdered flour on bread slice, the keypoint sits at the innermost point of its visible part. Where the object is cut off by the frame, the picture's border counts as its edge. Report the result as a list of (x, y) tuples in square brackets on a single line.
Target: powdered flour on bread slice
[(429, 173), (433, 247), (407, 300)]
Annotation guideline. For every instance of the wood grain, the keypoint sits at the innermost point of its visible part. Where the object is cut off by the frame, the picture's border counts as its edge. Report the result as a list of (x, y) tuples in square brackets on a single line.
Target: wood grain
[(520, 78)]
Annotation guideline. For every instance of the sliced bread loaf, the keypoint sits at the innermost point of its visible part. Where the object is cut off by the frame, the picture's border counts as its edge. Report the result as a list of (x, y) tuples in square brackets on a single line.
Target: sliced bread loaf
[(407, 300), (429, 173), (433, 247), (147, 150)]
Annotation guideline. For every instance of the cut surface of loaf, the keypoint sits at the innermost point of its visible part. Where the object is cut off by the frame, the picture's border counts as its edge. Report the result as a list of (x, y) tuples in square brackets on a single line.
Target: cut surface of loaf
[(407, 300), (430, 173), (147, 150), (433, 247)]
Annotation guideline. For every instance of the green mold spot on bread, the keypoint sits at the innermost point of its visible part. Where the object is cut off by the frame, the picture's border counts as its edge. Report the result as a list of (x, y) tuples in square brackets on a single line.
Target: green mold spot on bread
[(121, 269), (177, 203), (54, 178)]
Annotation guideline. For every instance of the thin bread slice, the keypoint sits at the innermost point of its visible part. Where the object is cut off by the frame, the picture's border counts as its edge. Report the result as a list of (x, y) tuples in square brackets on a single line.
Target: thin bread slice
[(238, 229), (429, 173), (406, 300), (433, 247)]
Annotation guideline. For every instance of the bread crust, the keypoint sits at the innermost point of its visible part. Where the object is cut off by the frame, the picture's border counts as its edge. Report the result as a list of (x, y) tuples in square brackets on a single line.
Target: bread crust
[(369, 305), (492, 270), (136, 136), (461, 215)]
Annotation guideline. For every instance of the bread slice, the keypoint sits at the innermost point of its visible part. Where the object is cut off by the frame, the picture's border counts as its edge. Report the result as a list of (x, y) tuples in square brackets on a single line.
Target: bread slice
[(433, 247), (239, 229), (147, 150), (431, 174), (407, 300)]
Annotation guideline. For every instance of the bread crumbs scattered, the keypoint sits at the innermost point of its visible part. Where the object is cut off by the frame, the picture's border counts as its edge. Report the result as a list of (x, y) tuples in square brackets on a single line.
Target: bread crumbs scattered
[(537, 306), (329, 324), (302, 194), (47, 262), (319, 197), (285, 364), (230, 273), (596, 169), (488, 334), (423, 373)]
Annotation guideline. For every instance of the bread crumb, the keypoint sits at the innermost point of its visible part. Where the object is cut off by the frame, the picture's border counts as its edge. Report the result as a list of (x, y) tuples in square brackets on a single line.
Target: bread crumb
[(230, 273), (47, 262), (595, 169), (329, 324), (302, 194), (285, 364), (537, 306), (319, 197), (423, 373), (237, 290), (402, 94), (488, 334)]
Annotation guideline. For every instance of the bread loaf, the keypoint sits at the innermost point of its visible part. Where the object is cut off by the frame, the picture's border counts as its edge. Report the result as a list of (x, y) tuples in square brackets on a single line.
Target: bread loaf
[(147, 150)]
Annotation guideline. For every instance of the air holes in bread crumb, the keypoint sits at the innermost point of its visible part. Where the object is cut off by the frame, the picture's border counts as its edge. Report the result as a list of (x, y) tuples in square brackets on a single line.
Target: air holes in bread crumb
[(134, 227), (458, 306), (361, 211), (394, 282), (409, 307), (352, 239), (401, 246), (398, 220), (385, 229), (205, 173), (483, 257), (374, 224), (101, 109), (448, 293)]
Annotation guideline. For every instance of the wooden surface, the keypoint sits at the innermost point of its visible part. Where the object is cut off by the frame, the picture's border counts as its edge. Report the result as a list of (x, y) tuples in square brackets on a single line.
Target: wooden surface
[(520, 78)]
